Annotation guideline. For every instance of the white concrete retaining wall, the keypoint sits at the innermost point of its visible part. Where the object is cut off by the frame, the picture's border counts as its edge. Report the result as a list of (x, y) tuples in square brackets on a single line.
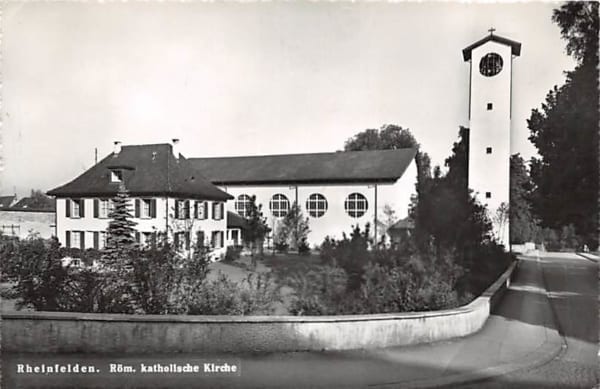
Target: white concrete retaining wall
[(117, 333)]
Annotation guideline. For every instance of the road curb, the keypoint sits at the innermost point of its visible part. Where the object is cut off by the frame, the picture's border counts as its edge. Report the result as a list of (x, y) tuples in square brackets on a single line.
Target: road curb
[(592, 258), (554, 347)]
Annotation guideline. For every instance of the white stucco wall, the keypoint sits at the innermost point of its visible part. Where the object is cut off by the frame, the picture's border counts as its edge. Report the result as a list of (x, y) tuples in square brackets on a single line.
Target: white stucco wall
[(24, 223), (491, 128), (165, 216), (336, 220)]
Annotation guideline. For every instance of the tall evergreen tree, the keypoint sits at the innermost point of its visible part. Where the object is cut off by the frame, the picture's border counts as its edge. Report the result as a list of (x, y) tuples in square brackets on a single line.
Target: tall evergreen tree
[(120, 235), (523, 225), (565, 132), (117, 258)]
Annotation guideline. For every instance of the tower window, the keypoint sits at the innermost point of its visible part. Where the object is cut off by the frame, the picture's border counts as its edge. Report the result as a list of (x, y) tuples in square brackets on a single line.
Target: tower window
[(488, 150), (490, 106), (488, 195)]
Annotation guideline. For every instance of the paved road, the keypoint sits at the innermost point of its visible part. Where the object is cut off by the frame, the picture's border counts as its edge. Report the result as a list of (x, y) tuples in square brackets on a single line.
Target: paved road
[(572, 284), (520, 346)]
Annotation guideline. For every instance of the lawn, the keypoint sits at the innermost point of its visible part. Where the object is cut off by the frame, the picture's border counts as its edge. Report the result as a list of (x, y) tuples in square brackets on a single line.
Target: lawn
[(285, 265)]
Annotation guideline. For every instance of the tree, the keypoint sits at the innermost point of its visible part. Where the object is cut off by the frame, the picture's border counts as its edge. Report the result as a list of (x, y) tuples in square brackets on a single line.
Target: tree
[(294, 228), (390, 136), (256, 227), (117, 258), (388, 220), (565, 132), (523, 225)]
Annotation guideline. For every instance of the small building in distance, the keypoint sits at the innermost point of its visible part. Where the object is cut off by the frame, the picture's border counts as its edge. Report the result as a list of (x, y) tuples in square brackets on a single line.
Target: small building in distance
[(27, 216)]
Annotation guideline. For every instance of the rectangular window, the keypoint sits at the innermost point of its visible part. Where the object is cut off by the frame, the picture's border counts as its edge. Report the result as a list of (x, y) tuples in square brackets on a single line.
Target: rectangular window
[(146, 208), (234, 237), (200, 210), (489, 106), (102, 240), (217, 211), (488, 150), (103, 208), (76, 239), (116, 176), (488, 195), (76, 208), (217, 239), (182, 209)]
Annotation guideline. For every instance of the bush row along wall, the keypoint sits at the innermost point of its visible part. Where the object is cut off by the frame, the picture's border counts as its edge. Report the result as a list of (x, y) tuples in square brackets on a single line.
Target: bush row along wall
[(57, 332)]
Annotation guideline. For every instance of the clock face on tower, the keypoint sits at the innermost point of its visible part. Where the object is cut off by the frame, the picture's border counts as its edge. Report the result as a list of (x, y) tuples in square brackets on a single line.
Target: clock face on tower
[(490, 64)]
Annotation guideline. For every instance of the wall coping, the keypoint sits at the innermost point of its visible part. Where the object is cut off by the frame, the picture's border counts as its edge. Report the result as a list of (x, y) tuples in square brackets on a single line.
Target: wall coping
[(225, 319)]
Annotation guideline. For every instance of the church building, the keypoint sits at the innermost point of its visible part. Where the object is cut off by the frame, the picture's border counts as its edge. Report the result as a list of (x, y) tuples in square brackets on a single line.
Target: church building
[(205, 200)]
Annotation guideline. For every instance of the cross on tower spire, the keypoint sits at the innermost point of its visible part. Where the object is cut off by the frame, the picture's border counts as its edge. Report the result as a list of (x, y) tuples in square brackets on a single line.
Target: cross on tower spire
[(491, 30)]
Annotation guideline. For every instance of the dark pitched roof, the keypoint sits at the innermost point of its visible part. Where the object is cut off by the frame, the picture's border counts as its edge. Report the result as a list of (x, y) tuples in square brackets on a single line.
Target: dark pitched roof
[(6, 201), (235, 221), (516, 46), (350, 166), (34, 204), (148, 170)]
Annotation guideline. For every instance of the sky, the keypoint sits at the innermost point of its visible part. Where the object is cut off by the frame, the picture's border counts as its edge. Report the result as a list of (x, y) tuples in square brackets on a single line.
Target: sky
[(249, 78)]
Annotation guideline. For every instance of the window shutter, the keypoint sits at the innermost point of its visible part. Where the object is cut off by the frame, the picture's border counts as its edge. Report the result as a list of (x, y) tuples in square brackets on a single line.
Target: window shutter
[(187, 240), (187, 209), (222, 206), (204, 206), (68, 207), (68, 243), (137, 207), (213, 211), (200, 238), (96, 240), (222, 240), (177, 209), (195, 210), (176, 240), (137, 237), (153, 208), (81, 207), (96, 208), (82, 240)]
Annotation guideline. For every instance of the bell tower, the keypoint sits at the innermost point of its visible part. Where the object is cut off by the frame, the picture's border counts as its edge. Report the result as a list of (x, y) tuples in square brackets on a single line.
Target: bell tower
[(490, 101)]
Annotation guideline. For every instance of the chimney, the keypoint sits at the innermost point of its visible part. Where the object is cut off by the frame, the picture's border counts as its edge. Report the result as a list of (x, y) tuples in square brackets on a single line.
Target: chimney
[(117, 148), (176, 148)]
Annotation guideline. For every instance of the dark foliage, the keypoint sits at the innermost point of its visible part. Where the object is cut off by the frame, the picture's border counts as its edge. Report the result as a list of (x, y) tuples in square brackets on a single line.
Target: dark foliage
[(565, 132), (523, 225)]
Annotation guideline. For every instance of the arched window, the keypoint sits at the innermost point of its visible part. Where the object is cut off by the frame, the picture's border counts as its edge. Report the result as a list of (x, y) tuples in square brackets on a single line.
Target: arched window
[(242, 205), (356, 205), (316, 205), (279, 205)]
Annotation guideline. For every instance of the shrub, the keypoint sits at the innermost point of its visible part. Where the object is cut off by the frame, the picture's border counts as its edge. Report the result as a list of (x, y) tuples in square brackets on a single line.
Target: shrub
[(233, 253), (319, 292), (303, 247), (254, 295)]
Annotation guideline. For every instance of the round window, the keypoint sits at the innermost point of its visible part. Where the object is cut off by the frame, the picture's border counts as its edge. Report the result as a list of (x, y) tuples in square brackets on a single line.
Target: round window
[(356, 205), (279, 205), (242, 205), (490, 64), (316, 205)]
